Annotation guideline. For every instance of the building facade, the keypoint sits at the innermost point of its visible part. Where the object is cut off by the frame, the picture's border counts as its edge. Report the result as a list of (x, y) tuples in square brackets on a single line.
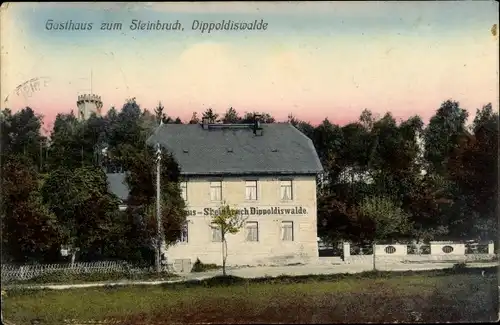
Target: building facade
[(279, 213), (266, 172)]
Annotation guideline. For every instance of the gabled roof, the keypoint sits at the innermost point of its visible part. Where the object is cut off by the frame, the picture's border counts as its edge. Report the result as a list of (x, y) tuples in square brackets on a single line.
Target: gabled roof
[(232, 149), (117, 185)]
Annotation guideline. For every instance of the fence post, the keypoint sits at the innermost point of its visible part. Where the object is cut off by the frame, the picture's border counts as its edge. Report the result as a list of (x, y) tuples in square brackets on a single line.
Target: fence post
[(347, 250), (374, 266), (491, 248)]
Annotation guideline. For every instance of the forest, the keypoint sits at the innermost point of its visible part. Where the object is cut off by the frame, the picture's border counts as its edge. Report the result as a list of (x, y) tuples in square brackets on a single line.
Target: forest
[(384, 180)]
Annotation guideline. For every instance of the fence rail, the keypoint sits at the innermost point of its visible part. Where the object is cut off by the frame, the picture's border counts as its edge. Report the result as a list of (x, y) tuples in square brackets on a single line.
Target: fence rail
[(25, 272)]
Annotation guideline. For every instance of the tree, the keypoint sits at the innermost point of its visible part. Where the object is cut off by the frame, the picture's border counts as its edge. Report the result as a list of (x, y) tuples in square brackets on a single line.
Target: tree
[(67, 143), (426, 201), (29, 231), (21, 134), (160, 115), (211, 116), (443, 134), (83, 207), (231, 117), (264, 117), (367, 119), (228, 221), (387, 220), (473, 167), (302, 126), (336, 219), (128, 128), (194, 119), (141, 180)]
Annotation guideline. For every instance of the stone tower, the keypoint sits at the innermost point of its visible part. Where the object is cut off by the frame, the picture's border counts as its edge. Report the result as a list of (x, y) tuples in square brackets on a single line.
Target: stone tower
[(88, 104)]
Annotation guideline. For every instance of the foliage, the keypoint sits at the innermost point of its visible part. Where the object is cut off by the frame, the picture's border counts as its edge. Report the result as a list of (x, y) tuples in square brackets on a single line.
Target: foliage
[(249, 117), (443, 134), (198, 266), (21, 134), (441, 177), (194, 118), (141, 181), (231, 117), (84, 208), (229, 222), (388, 220), (210, 116), (29, 230)]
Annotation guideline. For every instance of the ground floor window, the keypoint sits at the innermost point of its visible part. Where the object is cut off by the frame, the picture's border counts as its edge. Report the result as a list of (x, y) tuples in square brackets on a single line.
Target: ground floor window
[(287, 231), (184, 234), (252, 231), (216, 235)]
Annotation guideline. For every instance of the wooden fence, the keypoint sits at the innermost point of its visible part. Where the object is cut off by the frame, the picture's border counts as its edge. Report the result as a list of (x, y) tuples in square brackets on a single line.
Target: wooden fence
[(26, 272)]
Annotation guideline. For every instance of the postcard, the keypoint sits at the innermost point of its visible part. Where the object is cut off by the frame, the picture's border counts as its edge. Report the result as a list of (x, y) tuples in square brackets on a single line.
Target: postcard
[(249, 162)]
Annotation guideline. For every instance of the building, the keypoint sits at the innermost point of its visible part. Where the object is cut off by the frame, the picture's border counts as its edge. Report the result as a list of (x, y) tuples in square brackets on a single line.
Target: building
[(88, 104), (268, 172)]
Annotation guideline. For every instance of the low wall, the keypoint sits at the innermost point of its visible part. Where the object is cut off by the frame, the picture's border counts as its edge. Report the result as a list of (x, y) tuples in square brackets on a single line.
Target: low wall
[(447, 248), (440, 251), (391, 250), (353, 259)]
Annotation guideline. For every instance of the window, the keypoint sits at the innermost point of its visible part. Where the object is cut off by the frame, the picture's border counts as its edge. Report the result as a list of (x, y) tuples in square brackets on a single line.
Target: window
[(184, 191), (287, 231), (216, 191), (252, 231), (251, 190), (216, 235), (184, 234), (286, 191)]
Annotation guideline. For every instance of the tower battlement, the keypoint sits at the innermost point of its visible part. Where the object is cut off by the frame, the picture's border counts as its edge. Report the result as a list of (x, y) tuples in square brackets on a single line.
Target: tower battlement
[(88, 104), (89, 98)]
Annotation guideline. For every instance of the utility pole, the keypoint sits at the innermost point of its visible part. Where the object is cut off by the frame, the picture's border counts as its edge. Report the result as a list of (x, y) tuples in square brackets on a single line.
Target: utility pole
[(158, 209), (91, 81)]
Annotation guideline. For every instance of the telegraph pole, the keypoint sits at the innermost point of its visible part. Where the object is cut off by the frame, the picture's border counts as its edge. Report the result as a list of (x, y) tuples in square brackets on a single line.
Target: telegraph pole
[(158, 209)]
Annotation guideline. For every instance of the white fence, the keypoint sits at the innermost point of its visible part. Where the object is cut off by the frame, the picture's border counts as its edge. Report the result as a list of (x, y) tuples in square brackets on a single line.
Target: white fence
[(441, 251), (353, 259), (26, 272)]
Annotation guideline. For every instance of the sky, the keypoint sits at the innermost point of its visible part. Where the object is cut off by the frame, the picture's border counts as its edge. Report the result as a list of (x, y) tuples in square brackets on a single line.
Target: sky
[(315, 60)]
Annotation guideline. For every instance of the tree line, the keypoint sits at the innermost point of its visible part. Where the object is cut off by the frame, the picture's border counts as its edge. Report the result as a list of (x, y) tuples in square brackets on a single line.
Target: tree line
[(384, 180)]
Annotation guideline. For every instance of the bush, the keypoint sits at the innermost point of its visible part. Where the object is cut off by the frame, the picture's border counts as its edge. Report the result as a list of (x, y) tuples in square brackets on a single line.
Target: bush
[(198, 266), (459, 266)]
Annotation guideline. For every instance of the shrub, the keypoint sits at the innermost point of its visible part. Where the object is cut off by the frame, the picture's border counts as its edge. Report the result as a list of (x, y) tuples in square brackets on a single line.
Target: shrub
[(198, 266), (459, 266)]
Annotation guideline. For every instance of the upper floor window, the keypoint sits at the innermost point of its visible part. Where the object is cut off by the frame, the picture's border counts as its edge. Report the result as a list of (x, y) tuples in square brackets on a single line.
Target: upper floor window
[(286, 191), (251, 190), (216, 191), (184, 191)]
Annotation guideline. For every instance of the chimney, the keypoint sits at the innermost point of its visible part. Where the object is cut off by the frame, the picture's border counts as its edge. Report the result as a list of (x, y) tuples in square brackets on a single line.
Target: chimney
[(257, 128), (204, 123)]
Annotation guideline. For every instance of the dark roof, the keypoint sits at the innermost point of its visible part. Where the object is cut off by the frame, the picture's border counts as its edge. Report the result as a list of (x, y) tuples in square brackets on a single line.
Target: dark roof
[(226, 149), (117, 185)]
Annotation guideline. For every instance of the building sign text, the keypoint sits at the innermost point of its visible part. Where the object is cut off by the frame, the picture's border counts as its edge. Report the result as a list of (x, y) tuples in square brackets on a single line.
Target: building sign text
[(251, 211)]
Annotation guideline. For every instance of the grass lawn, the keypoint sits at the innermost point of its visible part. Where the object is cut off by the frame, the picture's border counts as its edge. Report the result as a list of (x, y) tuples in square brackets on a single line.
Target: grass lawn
[(432, 296)]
